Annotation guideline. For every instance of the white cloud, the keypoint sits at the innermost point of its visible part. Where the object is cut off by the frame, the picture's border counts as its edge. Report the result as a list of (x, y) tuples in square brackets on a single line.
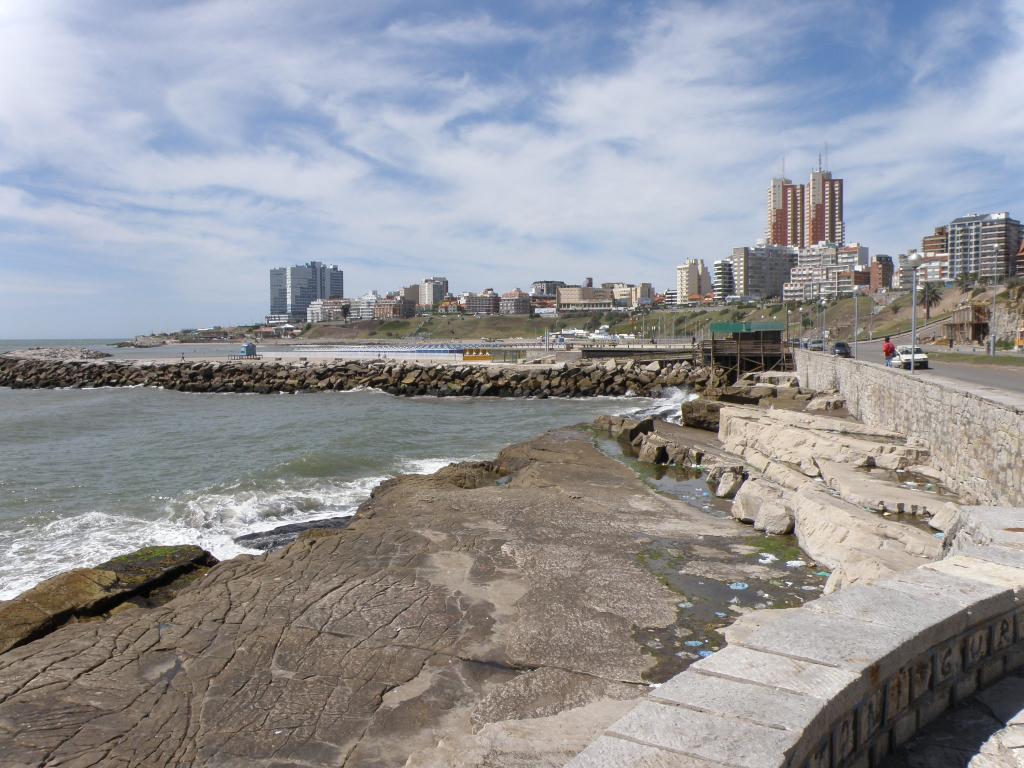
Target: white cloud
[(203, 143)]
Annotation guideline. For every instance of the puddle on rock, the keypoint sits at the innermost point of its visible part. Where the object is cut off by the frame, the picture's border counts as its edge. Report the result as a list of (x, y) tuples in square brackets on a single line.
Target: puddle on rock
[(718, 579), (683, 483)]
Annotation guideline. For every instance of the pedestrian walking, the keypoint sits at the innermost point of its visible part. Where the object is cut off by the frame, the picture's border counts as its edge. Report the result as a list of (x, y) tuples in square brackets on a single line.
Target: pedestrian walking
[(888, 352)]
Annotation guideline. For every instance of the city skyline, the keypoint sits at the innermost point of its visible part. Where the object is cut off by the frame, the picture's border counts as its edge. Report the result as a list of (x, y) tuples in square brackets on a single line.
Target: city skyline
[(169, 155)]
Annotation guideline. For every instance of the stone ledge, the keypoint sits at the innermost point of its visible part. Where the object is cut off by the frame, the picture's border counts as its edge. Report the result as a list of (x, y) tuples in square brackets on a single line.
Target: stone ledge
[(843, 680)]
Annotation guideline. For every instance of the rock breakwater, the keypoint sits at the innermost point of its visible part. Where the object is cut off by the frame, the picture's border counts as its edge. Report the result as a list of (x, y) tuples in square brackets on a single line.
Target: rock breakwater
[(397, 378)]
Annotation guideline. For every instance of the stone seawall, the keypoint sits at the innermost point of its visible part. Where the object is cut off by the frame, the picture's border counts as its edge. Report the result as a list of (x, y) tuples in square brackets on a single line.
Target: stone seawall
[(977, 439), (397, 378), (847, 678)]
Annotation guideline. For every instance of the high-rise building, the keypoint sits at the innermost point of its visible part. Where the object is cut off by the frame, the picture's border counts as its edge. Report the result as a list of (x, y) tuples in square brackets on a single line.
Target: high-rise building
[(762, 270), (293, 288), (937, 242), (823, 210), (693, 281), (881, 273), (785, 213), (983, 244), (722, 282), (803, 215), (432, 291)]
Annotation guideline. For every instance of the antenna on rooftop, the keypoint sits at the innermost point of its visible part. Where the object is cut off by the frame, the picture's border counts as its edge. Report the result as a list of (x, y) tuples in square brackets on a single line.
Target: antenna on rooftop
[(826, 155), (783, 165)]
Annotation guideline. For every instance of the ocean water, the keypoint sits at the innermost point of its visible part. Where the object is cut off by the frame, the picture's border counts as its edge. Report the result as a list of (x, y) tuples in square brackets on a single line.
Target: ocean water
[(86, 475)]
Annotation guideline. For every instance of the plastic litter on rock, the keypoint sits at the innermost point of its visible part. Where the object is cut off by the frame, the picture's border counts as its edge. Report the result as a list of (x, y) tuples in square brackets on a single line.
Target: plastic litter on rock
[(764, 558), (704, 654), (739, 585), (694, 643), (685, 605), (794, 564)]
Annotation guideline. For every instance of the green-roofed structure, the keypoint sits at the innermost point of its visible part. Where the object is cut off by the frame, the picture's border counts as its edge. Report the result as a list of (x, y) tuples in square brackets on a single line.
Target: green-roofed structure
[(743, 347)]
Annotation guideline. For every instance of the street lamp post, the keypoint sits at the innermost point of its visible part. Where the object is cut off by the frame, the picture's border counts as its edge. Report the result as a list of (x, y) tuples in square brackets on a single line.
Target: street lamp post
[(992, 320), (789, 319), (913, 261), (823, 305), (856, 317)]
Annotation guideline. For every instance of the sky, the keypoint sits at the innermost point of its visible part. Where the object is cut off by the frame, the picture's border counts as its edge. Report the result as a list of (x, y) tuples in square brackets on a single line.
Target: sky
[(157, 158)]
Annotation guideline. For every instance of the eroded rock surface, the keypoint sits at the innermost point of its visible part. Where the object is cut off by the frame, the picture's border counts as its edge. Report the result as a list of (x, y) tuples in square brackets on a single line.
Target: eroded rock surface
[(88, 592), (456, 621)]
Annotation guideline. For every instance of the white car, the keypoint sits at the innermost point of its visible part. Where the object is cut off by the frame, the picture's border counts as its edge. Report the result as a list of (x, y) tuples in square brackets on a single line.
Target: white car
[(903, 356)]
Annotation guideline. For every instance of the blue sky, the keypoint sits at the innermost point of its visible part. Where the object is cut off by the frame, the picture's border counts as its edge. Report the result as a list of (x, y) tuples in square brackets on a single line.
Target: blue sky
[(157, 158)]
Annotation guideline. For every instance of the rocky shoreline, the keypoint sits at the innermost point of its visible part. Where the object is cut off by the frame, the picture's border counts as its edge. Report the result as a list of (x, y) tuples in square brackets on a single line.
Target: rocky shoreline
[(494, 614), (581, 379)]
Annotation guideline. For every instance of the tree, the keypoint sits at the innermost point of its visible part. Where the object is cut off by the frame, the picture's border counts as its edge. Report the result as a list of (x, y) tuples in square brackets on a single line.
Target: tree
[(964, 281), (806, 322), (931, 294)]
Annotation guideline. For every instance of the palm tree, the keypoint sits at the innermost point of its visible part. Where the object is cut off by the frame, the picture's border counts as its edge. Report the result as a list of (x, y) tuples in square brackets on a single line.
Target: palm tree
[(931, 294)]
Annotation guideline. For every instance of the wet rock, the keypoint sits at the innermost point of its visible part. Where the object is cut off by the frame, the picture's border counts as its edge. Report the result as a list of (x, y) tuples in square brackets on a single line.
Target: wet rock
[(490, 626), (654, 449), (89, 592), (278, 537), (701, 413), (729, 484)]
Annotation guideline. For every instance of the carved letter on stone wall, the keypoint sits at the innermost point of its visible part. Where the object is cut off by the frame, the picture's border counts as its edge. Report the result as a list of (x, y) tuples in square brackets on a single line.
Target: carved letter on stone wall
[(1002, 635), (897, 694), (976, 647), (844, 741), (947, 662), (869, 717), (920, 677)]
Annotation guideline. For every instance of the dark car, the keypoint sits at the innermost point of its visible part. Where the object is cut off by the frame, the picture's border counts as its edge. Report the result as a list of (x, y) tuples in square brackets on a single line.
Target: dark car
[(841, 349)]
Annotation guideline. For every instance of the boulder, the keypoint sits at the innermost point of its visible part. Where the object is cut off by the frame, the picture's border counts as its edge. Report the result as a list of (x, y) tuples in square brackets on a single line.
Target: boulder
[(701, 414), (752, 494), (826, 402), (775, 517), (729, 484), (654, 449), (85, 592), (630, 429)]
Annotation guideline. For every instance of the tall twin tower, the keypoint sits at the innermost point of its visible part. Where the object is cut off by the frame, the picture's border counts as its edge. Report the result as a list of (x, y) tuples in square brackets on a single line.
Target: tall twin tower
[(803, 215)]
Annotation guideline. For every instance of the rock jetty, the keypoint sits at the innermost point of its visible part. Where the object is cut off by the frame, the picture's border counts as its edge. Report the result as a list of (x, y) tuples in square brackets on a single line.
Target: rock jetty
[(581, 379)]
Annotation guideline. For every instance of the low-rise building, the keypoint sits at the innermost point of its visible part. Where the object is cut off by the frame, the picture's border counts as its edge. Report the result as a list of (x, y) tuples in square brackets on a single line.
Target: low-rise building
[(576, 298), (515, 302), (393, 307), (328, 310), (363, 307), (487, 302), (546, 289)]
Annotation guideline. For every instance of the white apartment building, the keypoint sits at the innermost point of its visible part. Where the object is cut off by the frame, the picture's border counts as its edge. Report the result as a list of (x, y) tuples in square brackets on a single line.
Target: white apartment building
[(432, 291), (761, 272), (983, 244), (293, 288), (828, 270), (723, 282), (693, 281)]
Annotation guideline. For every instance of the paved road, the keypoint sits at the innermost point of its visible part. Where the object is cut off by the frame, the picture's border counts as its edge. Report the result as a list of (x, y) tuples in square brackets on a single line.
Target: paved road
[(998, 377)]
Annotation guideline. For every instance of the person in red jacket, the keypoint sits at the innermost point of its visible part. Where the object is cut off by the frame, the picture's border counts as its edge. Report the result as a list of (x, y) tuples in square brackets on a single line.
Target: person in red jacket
[(888, 351)]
